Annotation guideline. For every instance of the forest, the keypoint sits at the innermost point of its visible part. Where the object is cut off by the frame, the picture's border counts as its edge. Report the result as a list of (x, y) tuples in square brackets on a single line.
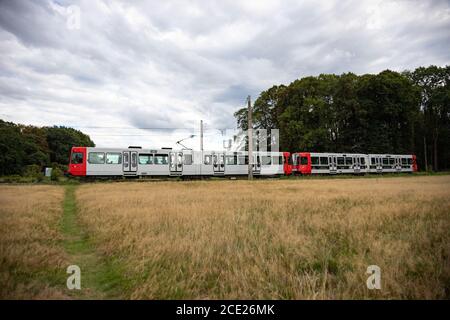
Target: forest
[(389, 112), (27, 149)]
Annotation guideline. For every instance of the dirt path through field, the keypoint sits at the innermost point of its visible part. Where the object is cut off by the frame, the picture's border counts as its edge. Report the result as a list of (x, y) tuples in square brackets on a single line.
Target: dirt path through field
[(98, 278)]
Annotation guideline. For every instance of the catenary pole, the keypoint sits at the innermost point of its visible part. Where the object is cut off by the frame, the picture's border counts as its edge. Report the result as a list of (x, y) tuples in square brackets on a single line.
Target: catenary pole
[(201, 135), (250, 139)]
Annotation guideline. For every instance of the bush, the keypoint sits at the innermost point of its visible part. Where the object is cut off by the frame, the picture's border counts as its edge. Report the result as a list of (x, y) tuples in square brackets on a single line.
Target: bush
[(32, 170), (60, 166), (15, 178), (32, 173), (57, 173)]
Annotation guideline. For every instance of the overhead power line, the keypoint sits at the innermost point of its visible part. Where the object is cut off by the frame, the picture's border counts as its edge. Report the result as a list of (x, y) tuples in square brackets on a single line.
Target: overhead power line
[(137, 135), (149, 128), (134, 128)]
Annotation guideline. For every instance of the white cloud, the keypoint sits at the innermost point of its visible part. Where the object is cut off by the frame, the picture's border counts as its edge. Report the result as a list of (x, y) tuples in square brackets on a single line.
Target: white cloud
[(169, 63)]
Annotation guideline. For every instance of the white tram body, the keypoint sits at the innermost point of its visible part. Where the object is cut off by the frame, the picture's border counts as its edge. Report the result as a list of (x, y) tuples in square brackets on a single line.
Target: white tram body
[(351, 163), (129, 162), (391, 163)]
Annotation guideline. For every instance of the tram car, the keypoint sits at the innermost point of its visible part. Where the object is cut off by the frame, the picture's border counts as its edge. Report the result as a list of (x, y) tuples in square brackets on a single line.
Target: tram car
[(138, 162), (307, 163)]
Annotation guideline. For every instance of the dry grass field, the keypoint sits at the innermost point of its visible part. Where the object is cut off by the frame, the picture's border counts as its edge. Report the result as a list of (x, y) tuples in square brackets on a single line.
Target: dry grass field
[(32, 260), (275, 239), (282, 239)]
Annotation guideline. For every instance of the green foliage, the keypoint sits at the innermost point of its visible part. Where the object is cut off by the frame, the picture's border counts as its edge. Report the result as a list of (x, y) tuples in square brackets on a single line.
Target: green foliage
[(33, 171), (61, 140), (434, 84), (12, 149), (57, 173), (26, 150), (389, 112)]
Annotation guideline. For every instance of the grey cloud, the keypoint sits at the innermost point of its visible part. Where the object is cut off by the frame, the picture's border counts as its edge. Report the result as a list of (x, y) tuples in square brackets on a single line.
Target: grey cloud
[(234, 94), (160, 119)]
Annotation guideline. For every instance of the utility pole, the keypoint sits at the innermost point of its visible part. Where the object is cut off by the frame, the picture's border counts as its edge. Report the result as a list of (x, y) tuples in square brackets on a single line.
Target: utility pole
[(425, 152), (250, 139), (201, 135)]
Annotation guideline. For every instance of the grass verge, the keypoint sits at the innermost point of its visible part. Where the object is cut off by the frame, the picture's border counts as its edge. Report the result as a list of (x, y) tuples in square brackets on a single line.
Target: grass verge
[(101, 278)]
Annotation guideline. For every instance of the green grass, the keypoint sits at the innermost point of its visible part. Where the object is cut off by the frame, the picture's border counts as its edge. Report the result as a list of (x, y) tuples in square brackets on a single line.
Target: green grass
[(101, 278)]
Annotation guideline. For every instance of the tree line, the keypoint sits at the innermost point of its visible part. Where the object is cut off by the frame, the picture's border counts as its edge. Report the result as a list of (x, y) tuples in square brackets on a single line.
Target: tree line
[(29, 147), (389, 112)]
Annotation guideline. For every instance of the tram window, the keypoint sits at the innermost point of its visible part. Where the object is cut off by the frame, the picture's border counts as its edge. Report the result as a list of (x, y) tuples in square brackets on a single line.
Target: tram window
[(230, 160), (410, 161), (324, 160), (348, 161), (340, 160), (404, 161), (207, 159), (362, 161), (266, 160), (77, 158), (96, 157), (145, 158), (243, 160), (133, 159), (303, 160), (314, 160), (161, 159), (113, 158), (188, 159), (391, 160), (278, 160), (385, 161), (372, 161)]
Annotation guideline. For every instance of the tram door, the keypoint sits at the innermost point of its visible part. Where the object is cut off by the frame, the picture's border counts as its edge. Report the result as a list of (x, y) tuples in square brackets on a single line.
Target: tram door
[(379, 163), (356, 165), (219, 163), (130, 161), (176, 162), (332, 164), (256, 163), (398, 164)]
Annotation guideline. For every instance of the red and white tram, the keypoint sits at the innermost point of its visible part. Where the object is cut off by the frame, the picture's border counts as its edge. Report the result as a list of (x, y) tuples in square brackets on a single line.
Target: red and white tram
[(138, 162)]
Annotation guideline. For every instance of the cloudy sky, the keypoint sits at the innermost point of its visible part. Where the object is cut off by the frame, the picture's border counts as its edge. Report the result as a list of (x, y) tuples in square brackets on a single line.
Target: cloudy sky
[(111, 68)]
